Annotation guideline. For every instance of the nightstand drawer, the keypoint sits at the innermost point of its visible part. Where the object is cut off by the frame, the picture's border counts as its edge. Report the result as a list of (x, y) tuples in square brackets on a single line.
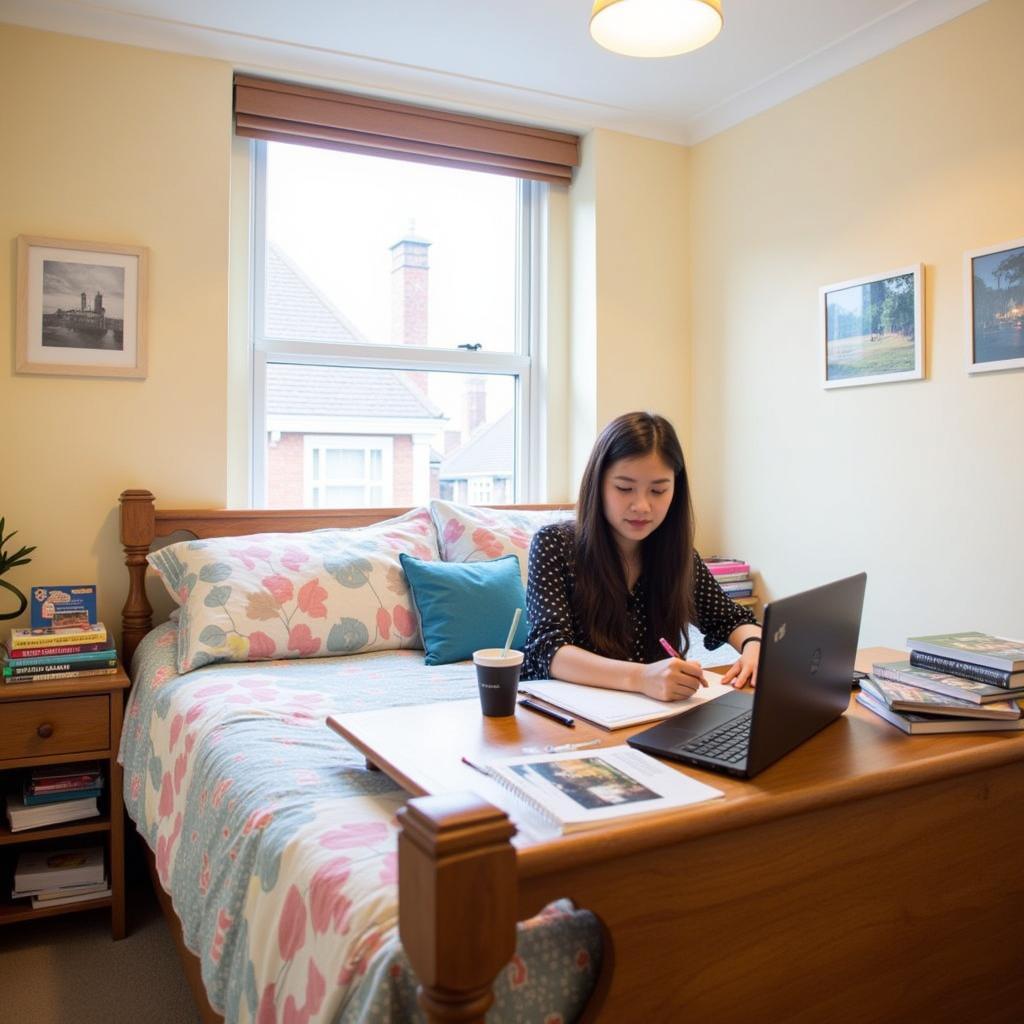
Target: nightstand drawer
[(66, 725)]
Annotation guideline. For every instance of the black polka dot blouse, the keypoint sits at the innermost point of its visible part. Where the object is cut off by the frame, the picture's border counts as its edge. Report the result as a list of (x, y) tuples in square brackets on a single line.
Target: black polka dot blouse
[(553, 624)]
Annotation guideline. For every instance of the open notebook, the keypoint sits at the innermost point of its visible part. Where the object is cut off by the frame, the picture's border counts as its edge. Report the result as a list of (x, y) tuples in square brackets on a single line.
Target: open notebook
[(615, 709)]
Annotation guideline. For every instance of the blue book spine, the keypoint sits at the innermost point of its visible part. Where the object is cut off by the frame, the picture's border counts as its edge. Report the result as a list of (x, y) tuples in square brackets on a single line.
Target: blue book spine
[(65, 659), (57, 798)]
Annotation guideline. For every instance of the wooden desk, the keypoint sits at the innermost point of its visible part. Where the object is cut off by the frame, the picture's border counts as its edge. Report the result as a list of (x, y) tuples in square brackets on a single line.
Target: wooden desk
[(867, 876)]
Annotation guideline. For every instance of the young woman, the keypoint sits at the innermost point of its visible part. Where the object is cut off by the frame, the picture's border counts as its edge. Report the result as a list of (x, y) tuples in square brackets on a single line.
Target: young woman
[(605, 590)]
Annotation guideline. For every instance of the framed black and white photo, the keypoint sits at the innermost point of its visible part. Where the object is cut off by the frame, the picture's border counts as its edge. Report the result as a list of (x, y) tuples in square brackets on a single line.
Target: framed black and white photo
[(994, 280), (81, 308), (872, 329)]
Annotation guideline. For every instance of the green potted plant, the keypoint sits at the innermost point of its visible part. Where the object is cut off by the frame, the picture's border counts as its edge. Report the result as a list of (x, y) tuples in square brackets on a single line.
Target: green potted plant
[(19, 557)]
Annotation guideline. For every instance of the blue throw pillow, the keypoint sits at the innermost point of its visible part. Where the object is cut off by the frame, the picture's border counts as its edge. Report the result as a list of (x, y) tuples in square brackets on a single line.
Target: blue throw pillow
[(465, 606)]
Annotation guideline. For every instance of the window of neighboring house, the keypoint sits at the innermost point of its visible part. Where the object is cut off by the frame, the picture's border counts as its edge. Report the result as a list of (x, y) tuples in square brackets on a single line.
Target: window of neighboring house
[(481, 490), (394, 312), (347, 472)]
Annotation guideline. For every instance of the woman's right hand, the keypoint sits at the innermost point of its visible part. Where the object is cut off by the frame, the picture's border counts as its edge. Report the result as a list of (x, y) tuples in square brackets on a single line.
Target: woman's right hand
[(671, 679)]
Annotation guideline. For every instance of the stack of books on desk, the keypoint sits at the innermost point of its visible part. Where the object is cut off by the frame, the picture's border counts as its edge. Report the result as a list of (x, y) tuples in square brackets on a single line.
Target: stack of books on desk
[(53, 878), (36, 655), (56, 794), (733, 576), (973, 683)]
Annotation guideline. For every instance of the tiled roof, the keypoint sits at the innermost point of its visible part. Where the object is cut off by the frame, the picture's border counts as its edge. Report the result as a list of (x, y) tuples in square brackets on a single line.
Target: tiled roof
[(297, 310), (490, 450), (294, 389)]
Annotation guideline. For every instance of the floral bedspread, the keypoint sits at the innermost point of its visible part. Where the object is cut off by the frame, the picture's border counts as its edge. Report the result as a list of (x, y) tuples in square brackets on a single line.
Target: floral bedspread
[(279, 850)]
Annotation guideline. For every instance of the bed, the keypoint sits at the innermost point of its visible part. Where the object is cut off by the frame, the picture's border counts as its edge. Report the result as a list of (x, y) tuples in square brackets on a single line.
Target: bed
[(273, 846)]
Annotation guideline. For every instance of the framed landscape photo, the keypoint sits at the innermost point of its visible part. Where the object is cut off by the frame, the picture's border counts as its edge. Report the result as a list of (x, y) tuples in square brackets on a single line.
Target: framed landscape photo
[(81, 308), (872, 329), (994, 280)]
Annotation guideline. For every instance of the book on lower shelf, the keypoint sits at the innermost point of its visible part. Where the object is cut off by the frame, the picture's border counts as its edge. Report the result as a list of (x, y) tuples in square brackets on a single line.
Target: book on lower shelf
[(916, 723), (899, 696), (45, 871), (975, 648), (579, 790), (21, 816), (94, 892), (944, 682), (617, 709)]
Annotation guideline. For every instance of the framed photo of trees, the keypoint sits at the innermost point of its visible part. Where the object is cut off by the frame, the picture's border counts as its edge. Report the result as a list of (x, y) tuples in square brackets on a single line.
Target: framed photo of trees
[(872, 329), (994, 279)]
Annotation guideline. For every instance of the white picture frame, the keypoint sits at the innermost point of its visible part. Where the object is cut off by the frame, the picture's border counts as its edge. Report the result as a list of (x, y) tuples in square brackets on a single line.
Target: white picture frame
[(81, 308), (994, 307), (872, 329)]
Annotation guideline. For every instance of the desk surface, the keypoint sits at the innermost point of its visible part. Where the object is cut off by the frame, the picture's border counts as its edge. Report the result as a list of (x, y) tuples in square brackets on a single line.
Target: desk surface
[(858, 756)]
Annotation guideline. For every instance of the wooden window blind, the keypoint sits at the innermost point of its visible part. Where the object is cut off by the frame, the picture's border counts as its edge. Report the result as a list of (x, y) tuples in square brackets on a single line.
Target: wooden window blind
[(282, 112)]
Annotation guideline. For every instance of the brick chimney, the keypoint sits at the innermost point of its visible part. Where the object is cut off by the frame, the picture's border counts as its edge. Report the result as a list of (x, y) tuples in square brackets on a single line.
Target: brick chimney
[(410, 268), (476, 402)]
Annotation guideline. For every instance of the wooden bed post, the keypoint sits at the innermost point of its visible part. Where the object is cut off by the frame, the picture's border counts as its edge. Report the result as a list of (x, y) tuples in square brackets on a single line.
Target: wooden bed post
[(138, 529), (457, 913)]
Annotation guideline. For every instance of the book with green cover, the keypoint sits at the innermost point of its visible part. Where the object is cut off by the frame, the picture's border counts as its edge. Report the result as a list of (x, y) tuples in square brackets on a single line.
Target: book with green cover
[(982, 648), (904, 697), (944, 682)]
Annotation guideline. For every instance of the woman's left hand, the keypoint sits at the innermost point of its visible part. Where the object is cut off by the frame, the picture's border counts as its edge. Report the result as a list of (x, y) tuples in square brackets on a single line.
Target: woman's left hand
[(745, 670)]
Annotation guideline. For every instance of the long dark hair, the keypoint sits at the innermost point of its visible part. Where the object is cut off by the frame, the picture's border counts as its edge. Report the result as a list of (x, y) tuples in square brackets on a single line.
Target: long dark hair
[(667, 554)]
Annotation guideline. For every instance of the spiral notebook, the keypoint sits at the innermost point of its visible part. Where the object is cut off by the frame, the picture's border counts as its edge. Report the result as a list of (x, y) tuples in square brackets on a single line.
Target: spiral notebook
[(578, 790)]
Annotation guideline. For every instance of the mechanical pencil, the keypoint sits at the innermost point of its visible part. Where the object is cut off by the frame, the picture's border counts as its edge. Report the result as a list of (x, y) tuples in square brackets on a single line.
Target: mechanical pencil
[(558, 748)]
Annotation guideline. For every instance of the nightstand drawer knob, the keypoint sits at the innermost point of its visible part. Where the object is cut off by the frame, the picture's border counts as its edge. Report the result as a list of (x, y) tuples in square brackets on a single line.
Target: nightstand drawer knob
[(45, 731)]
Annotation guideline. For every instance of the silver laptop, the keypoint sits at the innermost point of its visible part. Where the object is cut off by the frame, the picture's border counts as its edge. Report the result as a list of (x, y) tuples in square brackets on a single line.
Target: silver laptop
[(803, 683)]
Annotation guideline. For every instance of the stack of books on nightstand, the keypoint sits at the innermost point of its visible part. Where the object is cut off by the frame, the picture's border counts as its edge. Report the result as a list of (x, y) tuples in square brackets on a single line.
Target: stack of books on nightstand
[(58, 652), (952, 682), (733, 576), (53, 878), (55, 794)]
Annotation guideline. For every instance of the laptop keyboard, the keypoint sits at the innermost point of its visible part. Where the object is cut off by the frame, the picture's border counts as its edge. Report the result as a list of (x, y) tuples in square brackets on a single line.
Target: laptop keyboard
[(729, 742)]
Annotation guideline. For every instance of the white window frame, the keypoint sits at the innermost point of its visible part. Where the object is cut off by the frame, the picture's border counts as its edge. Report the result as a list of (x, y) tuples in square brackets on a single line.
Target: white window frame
[(348, 442), (522, 363)]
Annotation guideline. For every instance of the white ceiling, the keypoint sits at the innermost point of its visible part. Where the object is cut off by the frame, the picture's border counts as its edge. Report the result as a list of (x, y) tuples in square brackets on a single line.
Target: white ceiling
[(529, 58)]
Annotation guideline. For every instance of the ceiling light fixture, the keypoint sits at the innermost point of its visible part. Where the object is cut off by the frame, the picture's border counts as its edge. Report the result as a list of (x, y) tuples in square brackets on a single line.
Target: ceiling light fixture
[(655, 28)]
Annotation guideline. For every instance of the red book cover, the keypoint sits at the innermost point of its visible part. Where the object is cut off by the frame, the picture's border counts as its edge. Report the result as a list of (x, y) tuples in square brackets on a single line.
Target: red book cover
[(47, 652)]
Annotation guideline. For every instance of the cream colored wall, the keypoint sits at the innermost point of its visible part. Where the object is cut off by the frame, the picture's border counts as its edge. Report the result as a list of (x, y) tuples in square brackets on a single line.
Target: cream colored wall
[(630, 314), (111, 143), (915, 156)]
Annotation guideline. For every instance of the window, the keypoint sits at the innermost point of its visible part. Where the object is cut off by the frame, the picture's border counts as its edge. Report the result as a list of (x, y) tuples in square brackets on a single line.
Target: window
[(393, 328), (346, 472)]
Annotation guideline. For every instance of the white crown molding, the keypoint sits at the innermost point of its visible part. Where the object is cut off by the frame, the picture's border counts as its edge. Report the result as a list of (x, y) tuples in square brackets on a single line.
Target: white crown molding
[(912, 19), (312, 64)]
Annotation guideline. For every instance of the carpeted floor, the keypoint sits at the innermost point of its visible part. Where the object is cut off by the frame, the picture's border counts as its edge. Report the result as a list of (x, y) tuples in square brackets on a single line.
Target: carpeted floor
[(67, 970)]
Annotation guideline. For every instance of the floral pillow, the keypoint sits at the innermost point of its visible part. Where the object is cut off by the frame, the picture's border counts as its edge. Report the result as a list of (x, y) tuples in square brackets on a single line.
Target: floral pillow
[(296, 595), (467, 533)]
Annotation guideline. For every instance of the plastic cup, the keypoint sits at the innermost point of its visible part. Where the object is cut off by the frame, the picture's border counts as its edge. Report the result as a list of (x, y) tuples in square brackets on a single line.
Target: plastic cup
[(497, 677)]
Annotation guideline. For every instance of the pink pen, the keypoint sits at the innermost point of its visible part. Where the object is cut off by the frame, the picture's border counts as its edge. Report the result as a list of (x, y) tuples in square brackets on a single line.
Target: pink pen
[(673, 653)]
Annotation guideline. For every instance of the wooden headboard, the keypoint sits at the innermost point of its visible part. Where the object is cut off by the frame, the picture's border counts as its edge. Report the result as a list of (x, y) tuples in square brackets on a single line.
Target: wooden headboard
[(142, 523)]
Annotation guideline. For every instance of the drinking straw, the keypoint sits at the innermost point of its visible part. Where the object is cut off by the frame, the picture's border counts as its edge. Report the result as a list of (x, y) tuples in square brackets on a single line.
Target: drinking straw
[(511, 632)]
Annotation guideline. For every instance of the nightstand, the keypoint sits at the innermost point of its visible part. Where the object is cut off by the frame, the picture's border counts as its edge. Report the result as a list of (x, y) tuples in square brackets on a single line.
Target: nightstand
[(62, 722)]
